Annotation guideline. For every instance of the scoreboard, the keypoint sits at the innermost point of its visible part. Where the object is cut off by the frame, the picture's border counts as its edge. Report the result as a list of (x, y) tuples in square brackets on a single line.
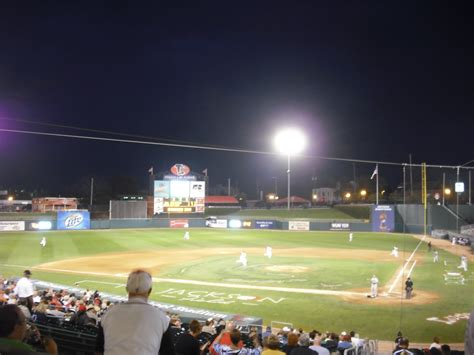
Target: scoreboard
[(179, 196)]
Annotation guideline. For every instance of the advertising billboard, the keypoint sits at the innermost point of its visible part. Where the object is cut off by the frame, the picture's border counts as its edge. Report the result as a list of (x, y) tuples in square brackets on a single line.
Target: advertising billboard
[(39, 225), (340, 226), (259, 224), (383, 219), (179, 223), (10, 226), (298, 225), (73, 220)]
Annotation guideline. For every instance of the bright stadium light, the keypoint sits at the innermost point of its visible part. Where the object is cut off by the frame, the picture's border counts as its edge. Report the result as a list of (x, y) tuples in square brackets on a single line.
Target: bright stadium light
[(289, 142)]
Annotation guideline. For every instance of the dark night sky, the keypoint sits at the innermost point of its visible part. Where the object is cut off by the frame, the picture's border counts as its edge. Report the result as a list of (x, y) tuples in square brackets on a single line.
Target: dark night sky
[(368, 80)]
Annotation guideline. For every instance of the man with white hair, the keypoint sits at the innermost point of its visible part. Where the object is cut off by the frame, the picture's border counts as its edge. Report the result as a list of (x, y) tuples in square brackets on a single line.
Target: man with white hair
[(135, 326)]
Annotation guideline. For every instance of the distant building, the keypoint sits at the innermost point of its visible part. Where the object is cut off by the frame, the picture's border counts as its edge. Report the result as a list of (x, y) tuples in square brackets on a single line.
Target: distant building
[(48, 204), (325, 196), (221, 201), (294, 201)]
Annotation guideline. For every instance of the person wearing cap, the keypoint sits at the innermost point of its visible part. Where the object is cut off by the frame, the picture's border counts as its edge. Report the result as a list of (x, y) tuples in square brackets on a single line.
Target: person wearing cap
[(135, 326), (303, 349), (402, 348), (24, 289)]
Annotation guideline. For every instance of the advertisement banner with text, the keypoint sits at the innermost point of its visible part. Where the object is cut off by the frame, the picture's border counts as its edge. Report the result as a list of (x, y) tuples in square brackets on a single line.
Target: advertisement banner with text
[(340, 226), (10, 226), (259, 224), (73, 220), (298, 225)]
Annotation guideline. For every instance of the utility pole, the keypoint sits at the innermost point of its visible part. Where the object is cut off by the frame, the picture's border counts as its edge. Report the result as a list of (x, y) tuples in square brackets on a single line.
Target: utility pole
[(411, 178)]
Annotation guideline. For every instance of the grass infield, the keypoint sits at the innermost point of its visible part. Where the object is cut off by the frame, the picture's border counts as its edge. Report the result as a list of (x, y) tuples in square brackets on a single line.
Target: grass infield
[(315, 280)]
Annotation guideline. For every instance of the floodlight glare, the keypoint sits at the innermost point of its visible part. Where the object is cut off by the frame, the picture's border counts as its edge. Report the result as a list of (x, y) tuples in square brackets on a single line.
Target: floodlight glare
[(290, 141)]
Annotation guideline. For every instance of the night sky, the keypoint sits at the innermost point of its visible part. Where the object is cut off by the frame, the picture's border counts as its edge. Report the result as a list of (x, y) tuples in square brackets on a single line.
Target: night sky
[(365, 80)]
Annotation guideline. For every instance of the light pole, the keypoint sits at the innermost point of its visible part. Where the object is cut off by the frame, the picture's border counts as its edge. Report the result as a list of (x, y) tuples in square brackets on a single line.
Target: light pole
[(289, 142), (458, 192)]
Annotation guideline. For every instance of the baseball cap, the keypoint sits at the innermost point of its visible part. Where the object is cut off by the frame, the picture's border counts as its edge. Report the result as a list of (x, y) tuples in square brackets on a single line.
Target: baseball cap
[(139, 281)]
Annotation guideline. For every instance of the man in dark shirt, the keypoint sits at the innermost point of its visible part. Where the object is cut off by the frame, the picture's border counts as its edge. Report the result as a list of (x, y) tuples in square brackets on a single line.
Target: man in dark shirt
[(187, 343), (303, 349)]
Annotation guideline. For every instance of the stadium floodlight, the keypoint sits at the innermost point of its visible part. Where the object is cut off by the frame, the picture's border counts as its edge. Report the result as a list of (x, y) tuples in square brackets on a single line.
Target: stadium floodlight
[(290, 142)]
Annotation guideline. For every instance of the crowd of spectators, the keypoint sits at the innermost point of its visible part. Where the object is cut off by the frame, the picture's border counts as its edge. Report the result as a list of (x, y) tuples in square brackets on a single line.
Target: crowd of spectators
[(89, 310)]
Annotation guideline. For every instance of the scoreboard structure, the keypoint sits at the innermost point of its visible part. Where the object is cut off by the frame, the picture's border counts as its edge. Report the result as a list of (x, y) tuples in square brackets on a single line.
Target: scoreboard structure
[(179, 191)]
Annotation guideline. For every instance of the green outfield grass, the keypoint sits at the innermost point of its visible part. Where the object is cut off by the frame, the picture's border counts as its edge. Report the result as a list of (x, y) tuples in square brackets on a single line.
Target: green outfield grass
[(19, 250)]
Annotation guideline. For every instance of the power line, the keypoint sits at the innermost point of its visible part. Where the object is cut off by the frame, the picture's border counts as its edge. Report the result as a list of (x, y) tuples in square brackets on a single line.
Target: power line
[(235, 150)]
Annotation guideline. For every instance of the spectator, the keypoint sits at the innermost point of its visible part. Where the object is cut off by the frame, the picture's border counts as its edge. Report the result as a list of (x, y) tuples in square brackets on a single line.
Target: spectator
[(187, 343), (398, 338), (345, 342), (225, 340), (13, 329), (209, 327), (22, 304), (402, 348), (233, 347), (292, 343), (445, 349), (317, 346), (272, 346), (331, 342), (435, 343), (39, 313), (24, 289), (303, 348), (267, 332), (135, 327)]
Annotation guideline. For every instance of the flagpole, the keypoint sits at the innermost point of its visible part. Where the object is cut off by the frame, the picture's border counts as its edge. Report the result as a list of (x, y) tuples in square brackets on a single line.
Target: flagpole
[(377, 184)]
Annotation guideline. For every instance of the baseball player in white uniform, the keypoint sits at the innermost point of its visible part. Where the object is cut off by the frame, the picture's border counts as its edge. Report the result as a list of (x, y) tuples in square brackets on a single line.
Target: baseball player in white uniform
[(43, 242), (351, 235), (268, 252), (374, 283), (186, 235), (242, 259), (394, 252), (453, 241), (463, 263), (435, 256)]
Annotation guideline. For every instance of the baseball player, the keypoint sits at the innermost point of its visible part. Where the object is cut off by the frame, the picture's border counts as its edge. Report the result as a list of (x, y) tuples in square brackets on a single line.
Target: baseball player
[(268, 252), (242, 259), (374, 283), (394, 252), (43, 242), (463, 263), (186, 235), (435, 256), (351, 235), (453, 241)]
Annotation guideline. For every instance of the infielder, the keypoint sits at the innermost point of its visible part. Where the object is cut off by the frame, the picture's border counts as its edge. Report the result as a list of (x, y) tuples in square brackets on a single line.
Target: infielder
[(435, 256), (463, 263), (268, 252), (453, 241), (374, 283), (394, 252), (186, 235), (43, 242), (350, 237), (242, 259)]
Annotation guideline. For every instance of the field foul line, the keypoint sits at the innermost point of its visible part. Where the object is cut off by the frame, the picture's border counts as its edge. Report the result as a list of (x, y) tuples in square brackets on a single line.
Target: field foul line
[(404, 265), (213, 284)]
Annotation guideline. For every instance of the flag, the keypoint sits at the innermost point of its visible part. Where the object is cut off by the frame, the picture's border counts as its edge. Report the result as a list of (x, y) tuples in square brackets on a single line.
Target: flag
[(205, 172), (374, 173), (150, 171)]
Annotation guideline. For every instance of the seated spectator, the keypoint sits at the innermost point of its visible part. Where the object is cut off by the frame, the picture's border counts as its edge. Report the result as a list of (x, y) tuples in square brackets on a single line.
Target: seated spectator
[(318, 348), (303, 348), (225, 340), (13, 328), (398, 338), (23, 305), (272, 346), (267, 332), (435, 344), (233, 347), (187, 343), (344, 343), (331, 342), (209, 327), (291, 344), (356, 340), (39, 313), (402, 348), (445, 349)]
